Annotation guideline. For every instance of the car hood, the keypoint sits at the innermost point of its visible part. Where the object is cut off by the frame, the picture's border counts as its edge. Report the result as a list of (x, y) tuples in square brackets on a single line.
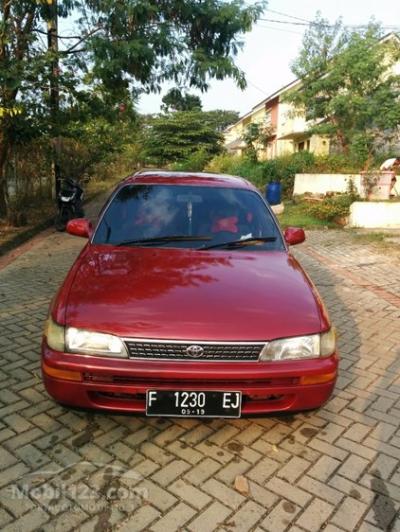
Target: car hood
[(171, 293)]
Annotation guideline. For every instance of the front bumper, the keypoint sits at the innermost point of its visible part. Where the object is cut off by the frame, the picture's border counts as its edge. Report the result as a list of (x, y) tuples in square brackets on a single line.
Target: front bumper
[(121, 385)]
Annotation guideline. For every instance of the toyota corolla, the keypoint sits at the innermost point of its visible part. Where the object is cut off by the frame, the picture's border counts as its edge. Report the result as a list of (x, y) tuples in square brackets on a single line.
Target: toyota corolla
[(186, 301)]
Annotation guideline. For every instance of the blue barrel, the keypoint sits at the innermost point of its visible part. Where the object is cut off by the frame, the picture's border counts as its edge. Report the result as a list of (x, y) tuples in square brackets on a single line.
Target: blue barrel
[(273, 193)]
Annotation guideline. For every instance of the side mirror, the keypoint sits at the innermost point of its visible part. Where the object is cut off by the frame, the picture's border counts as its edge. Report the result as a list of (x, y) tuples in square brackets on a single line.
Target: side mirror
[(80, 227), (294, 235)]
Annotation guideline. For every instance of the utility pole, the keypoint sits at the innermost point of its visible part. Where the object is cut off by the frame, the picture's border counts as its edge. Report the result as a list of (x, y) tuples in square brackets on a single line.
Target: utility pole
[(52, 42)]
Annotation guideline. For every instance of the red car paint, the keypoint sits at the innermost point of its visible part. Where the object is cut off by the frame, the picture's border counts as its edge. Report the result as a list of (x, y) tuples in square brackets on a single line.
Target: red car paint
[(185, 294)]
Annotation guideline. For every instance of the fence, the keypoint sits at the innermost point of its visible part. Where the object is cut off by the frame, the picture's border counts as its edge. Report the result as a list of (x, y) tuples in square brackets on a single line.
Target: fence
[(28, 172)]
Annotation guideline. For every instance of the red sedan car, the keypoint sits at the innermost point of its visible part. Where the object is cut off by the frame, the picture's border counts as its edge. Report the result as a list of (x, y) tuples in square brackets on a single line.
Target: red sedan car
[(185, 301)]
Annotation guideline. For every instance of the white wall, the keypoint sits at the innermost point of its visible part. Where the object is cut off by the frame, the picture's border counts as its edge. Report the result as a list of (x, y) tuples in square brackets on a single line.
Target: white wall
[(323, 183), (375, 214)]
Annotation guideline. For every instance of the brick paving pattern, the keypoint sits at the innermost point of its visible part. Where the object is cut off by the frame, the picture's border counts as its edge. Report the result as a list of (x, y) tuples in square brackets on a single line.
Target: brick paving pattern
[(334, 469)]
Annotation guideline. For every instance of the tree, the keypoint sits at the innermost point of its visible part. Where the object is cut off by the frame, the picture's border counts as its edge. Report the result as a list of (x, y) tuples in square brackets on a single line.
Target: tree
[(113, 49), (174, 100), (348, 87), (256, 137), (222, 118), (177, 136), (193, 136)]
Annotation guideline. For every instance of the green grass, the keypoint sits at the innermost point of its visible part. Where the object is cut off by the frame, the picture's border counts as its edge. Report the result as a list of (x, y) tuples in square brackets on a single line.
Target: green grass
[(297, 216)]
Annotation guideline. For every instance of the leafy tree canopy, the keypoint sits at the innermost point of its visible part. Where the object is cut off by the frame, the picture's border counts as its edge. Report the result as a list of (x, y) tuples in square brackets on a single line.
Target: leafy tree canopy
[(177, 136), (174, 100), (111, 52), (349, 89), (120, 48), (222, 118)]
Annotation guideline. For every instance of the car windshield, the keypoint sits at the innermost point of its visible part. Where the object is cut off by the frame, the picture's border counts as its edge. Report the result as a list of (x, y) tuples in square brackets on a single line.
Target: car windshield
[(188, 216)]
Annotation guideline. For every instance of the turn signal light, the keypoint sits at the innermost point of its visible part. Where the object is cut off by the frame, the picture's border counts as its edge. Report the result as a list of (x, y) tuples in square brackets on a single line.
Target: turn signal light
[(318, 379), (64, 374)]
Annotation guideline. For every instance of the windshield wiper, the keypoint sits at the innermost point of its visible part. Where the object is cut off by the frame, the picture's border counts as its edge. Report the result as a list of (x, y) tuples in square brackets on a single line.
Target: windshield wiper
[(238, 243), (163, 239)]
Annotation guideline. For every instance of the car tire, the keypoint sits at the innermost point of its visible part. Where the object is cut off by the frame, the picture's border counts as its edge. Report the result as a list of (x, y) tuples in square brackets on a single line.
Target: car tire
[(62, 219)]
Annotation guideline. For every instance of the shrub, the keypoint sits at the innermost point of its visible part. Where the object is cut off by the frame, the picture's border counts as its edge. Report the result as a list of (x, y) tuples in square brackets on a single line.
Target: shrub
[(249, 169), (222, 164), (282, 169), (241, 166), (17, 207), (335, 163), (332, 207), (194, 163)]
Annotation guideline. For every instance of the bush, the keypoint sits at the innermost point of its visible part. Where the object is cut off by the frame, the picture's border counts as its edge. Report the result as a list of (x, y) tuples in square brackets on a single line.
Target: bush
[(282, 169), (17, 209), (239, 166), (222, 164), (332, 164), (250, 170), (194, 163), (332, 207)]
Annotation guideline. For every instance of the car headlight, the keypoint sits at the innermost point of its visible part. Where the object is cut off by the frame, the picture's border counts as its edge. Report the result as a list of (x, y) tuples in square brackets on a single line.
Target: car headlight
[(328, 343), (301, 347), (94, 343), (54, 334)]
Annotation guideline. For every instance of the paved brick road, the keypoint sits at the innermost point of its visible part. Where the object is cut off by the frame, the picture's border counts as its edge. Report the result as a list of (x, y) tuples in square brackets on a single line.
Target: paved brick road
[(336, 469)]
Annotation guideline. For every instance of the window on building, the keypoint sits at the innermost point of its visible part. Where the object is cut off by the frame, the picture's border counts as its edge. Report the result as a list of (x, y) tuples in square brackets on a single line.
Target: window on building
[(303, 145), (267, 119)]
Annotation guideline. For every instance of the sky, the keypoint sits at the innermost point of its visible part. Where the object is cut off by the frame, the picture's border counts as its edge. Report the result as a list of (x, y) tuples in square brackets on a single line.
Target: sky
[(270, 48)]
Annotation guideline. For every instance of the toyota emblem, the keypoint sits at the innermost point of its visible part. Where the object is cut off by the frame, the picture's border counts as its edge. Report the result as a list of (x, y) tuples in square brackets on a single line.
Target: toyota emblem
[(195, 351)]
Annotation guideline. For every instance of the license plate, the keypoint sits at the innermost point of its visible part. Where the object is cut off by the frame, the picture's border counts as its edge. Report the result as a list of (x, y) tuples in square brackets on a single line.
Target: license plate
[(193, 403)]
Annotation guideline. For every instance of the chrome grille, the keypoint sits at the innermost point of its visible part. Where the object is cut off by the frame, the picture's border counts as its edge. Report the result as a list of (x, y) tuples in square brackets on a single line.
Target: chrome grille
[(144, 349)]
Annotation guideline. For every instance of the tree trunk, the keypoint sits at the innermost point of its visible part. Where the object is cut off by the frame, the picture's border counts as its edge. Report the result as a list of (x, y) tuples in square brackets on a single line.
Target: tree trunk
[(4, 150), (52, 40), (368, 161), (343, 142), (341, 136)]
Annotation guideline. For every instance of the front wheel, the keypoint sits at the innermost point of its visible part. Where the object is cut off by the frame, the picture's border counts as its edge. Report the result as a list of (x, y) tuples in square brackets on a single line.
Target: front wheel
[(79, 213), (63, 218)]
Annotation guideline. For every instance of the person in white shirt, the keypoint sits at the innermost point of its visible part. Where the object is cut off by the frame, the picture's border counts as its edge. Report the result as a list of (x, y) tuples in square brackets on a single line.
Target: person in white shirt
[(390, 164)]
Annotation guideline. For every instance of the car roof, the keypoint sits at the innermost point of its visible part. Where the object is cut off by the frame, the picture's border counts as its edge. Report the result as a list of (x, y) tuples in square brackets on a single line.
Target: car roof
[(187, 178)]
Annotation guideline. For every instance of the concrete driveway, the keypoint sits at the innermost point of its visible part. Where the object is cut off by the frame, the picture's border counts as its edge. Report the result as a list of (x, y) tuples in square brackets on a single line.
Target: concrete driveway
[(334, 469)]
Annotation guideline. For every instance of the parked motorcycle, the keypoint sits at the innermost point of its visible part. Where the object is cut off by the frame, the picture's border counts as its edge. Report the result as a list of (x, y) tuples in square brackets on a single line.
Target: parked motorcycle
[(69, 203)]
